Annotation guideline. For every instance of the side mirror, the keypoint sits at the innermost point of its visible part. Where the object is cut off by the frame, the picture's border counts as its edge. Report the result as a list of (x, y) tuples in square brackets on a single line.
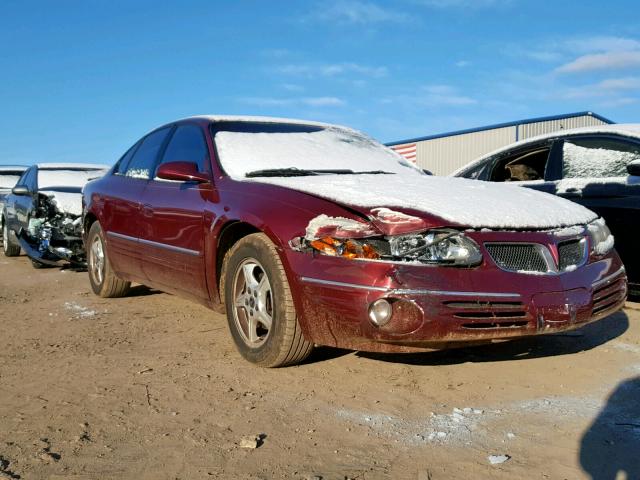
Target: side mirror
[(182, 172), (20, 190), (633, 168)]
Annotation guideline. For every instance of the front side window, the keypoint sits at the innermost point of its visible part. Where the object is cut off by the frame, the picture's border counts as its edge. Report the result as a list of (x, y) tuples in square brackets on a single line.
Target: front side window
[(188, 145), (145, 156), (121, 166), (597, 157), (524, 165)]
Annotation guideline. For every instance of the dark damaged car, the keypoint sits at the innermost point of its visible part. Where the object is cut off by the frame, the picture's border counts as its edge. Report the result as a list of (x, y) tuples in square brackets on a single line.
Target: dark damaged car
[(43, 213), (312, 234), (9, 176)]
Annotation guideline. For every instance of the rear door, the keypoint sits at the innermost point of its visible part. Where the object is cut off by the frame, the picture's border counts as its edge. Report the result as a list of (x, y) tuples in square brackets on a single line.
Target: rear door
[(173, 220), (123, 202), (594, 174)]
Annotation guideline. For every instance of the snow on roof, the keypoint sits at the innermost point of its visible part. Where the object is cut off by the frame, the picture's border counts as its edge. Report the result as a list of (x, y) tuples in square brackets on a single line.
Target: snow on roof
[(13, 168), (259, 119), (458, 200), (631, 130), (72, 166)]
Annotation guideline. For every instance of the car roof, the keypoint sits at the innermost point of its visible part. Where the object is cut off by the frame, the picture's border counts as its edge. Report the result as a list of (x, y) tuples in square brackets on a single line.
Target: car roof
[(72, 166), (631, 130), (258, 119), (13, 168)]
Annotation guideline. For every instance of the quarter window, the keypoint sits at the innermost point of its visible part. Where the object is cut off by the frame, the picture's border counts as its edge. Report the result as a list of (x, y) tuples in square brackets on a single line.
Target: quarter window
[(121, 166), (187, 145), (597, 157), (145, 156)]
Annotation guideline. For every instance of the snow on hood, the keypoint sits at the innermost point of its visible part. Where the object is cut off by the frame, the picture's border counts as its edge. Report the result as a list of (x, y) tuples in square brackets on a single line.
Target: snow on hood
[(65, 202), (469, 203)]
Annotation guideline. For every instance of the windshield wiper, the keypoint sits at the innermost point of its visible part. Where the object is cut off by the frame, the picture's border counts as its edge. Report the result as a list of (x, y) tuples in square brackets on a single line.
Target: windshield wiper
[(299, 172)]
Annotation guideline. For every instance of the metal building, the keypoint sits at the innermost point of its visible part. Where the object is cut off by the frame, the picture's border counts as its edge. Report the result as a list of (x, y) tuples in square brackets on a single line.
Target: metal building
[(446, 152)]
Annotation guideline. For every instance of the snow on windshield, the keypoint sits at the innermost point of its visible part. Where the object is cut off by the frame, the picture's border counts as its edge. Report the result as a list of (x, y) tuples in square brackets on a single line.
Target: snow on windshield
[(66, 178), (8, 181), (585, 162), (331, 148)]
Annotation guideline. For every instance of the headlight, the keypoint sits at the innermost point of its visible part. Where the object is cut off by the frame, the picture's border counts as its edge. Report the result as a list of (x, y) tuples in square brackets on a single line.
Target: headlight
[(447, 247), (601, 239), (440, 247)]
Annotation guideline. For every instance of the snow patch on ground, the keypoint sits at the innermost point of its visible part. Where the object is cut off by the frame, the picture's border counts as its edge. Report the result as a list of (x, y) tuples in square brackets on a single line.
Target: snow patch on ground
[(79, 310), (627, 347)]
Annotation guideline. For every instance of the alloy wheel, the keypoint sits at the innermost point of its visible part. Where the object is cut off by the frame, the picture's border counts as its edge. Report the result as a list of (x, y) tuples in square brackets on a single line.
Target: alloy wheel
[(253, 303), (96, 260)]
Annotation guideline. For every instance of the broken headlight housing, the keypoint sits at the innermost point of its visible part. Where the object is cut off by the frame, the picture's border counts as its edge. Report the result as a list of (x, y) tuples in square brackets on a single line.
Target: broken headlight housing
[(435, 247)]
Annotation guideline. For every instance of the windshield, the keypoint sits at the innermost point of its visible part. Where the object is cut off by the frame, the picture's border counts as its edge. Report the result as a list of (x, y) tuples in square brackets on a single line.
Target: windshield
[(49, 179), (8, 180), (245, 148)]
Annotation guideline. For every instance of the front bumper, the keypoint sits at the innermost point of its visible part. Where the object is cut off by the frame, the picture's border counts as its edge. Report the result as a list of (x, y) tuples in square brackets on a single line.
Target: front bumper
[(447, 307)]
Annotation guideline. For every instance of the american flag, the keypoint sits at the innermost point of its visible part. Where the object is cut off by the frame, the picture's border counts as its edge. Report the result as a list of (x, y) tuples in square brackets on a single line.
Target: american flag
[(407, 150)]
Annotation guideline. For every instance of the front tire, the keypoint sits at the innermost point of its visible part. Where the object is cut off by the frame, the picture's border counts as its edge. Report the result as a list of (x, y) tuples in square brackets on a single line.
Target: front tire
[(104, 282), (260, 310), (10, 248)]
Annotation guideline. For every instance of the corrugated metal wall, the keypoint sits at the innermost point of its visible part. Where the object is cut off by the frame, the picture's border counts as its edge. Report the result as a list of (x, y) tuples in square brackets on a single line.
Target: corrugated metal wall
[(529, 130), (444, 155)]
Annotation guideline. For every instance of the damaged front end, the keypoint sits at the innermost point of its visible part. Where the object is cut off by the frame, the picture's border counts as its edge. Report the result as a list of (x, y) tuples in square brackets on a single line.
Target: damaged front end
[(53, 235), (389, 236)]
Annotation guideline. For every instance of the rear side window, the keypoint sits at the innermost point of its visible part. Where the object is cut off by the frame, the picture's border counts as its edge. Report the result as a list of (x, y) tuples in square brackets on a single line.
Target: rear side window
[(188, 145), (597, 157), (145, 156)]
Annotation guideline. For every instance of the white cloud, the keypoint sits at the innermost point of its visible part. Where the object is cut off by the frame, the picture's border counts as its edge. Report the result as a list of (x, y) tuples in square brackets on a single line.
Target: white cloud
[(356, 12), (463, 3), (611, 87), (332, 70), (444, 95), (600, 44), (618, 102), (462, 63), (289, 102), (602, 61), (292, 87)]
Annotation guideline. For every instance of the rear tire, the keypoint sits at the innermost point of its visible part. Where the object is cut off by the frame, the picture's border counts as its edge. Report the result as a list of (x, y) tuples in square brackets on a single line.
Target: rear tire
[(104, 282), (260, 310), (10, 248)]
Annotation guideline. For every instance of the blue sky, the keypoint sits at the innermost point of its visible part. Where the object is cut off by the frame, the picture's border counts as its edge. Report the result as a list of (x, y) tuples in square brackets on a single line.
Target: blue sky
[(82, 80)]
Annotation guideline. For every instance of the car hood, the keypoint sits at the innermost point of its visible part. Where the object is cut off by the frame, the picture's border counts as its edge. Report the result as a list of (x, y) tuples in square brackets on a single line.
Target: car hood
[(68, 203), (452, 201)]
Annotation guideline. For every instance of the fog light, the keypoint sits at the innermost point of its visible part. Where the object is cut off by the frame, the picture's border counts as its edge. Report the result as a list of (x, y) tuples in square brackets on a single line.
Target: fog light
[(380, 312)]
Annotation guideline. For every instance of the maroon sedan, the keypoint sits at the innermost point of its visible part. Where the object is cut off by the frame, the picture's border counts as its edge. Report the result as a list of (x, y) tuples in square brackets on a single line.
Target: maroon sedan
[(313, 234)]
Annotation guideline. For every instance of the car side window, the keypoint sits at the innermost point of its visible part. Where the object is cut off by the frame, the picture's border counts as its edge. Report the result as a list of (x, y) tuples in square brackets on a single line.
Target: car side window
[(597, 157), (188, 145), (121, 165), (145, 156), (523, 165)]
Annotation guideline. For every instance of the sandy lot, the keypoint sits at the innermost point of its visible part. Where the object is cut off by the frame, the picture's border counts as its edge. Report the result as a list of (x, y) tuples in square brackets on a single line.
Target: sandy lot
[(151, 387)]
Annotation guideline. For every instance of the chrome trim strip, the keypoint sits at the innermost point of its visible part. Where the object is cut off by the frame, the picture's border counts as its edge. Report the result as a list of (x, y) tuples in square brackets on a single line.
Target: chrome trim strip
[(342, 284), (172, 248), (608, 278), (122, 236), (401, 291)]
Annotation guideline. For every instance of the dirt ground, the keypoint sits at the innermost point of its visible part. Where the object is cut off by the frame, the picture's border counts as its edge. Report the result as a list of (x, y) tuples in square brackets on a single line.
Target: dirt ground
[(151, 387)]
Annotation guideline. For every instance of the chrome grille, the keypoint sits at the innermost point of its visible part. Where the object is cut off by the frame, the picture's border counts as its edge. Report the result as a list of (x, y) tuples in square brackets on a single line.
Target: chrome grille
[(515, 257), (570, 253)]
